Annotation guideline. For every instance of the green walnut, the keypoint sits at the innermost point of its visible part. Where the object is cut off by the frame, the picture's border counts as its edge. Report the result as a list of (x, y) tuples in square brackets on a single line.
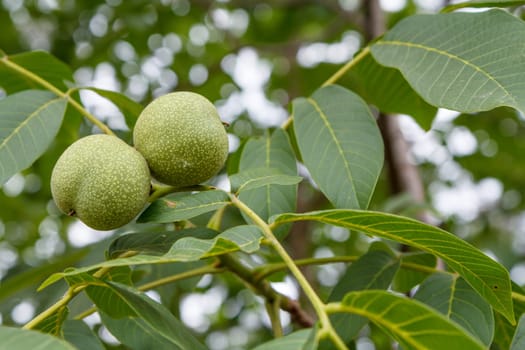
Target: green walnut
[(101, 180), (182, 138)]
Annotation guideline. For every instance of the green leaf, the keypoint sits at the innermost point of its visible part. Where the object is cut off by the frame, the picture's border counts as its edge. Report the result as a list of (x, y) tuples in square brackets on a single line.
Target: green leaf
[(406, 278), (299, 340), (271, 151), (246, 238), (16, 338), (183, 207), (455, 299), (147, 324), (386, 88), (127, 106), (154, 243), (486, 276), (40, 63), (518, 342), (374, 270), (483, 3), (255, 178), (463, 61), (81, 336), (413, 324), (340, 145), (29, 121)]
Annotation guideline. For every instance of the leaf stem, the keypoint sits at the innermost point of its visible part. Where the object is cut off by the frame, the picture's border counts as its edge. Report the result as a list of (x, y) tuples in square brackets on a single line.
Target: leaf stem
[(335, 77), (273, 309), (62, 302), (344, 69), (327, 329), (32, 76), (269, 269)]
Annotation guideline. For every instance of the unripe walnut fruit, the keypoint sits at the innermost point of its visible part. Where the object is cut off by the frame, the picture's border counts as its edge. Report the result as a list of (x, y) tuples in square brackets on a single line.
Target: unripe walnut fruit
[(182, 138), (101, 180)]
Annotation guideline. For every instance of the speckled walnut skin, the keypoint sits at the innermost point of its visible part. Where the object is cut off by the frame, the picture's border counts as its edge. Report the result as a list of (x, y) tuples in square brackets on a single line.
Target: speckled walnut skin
[(101, 180), (182, 138)]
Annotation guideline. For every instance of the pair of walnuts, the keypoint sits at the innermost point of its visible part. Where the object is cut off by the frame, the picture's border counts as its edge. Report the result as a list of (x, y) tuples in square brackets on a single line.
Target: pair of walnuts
[(178, 139)]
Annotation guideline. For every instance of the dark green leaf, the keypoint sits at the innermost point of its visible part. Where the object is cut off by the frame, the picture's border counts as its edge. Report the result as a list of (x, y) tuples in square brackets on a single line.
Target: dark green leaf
[(387, 89), (455, 299), (29, 121), (155, 243), (413, 324), (340, 145), (486, 276), (183, 207), (127, 106), (374, 270), (407, 278), (255, 178), (142, 323), (40, 63), (81, 336), (518, 342), (21, 339), (467, 62)]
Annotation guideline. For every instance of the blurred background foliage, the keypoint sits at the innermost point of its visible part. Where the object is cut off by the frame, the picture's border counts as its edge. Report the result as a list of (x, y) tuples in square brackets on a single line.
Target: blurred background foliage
[(251, 58)]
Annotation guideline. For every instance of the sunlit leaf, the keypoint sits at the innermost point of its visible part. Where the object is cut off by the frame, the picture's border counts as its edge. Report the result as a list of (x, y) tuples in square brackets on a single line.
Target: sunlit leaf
[(155, 243), (16, 338), (245, 237), (29, 121), (413, 324), (259, 177), (184, 206), (486, 276), (340, 145), (462, 61), (483, 3), (455, 299), (39, 63)]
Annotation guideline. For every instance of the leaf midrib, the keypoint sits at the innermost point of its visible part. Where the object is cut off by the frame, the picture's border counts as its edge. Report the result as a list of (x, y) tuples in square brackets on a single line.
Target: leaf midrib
[(386, 234), (324, 118), (33, 114), (451, 56)]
